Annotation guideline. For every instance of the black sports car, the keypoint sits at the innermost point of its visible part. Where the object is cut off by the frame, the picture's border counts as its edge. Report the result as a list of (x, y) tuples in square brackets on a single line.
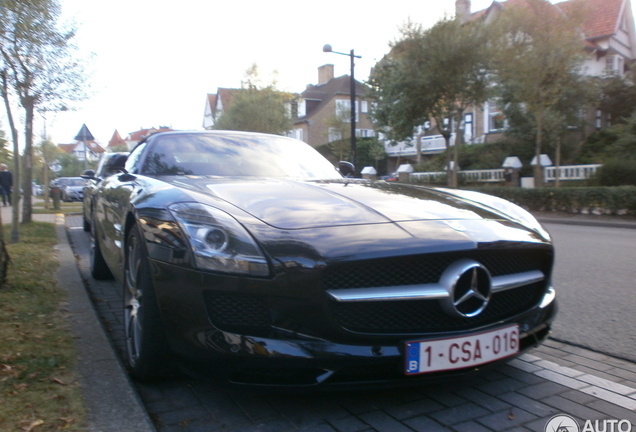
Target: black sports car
[(249, 257)]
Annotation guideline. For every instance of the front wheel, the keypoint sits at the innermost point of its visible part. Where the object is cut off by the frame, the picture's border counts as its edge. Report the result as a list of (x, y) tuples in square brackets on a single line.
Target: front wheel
[(146, 348)]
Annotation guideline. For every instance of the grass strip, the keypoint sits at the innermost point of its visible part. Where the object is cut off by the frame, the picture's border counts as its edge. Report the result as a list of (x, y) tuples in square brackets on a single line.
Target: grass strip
[(39, 389)]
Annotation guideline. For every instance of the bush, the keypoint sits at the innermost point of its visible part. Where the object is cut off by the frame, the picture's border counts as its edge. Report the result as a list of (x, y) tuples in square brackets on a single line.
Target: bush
[(598, 200), (616, 172)]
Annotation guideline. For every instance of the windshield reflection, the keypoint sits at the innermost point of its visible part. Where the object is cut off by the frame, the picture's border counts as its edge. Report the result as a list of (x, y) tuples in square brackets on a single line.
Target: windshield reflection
[(244, 155)]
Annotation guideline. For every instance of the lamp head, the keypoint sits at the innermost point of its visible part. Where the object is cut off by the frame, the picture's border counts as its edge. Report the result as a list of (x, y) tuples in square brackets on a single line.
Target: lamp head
[(327, 48)]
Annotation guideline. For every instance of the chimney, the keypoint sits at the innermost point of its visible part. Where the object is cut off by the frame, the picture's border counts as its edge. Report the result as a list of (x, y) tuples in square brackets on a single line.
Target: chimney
[(325, 74), (462, 10)]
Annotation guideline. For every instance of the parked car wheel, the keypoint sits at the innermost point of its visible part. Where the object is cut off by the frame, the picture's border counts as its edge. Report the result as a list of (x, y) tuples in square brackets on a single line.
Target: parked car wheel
[(99, 268), (146, 348)]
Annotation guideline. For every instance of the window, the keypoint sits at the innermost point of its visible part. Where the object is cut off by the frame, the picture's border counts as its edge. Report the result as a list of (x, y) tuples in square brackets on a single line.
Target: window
[(468, 127), (365, 133), (343, 110), (614, 65), (599, 119), (296, 134), (364, 108), (496, 120)]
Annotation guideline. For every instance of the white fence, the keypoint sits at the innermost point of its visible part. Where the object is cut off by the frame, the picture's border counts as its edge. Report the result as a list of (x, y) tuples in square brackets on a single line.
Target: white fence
[(568, 172), (571, 172)]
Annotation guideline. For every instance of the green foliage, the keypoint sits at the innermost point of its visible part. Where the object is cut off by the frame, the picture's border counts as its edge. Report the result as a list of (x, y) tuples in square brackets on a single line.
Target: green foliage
[(607, 200), (71, 165), (370, 152), (256, 108), (617, 98), (435, 73), (614, 142), (616, 172), (537, 58), (120, 148)]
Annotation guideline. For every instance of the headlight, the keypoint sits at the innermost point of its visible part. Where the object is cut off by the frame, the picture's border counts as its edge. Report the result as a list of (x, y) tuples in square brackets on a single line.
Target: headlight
[(218, 241)]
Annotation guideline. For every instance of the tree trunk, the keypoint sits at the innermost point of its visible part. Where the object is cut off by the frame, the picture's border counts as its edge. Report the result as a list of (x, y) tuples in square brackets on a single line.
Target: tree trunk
[(459, 139), (449, 170), (15, 195), (27, 103), (557, 177), (538, 169)]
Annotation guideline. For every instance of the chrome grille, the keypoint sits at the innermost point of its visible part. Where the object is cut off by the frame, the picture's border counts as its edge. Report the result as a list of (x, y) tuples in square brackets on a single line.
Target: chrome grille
[(426, 316)]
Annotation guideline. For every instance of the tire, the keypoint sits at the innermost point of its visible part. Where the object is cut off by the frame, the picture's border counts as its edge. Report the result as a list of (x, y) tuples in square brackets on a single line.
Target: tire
[(147, 352), (99, 268)]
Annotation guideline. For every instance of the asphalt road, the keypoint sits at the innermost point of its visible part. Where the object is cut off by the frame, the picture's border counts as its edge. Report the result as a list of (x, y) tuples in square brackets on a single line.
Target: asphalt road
[(595, 278)]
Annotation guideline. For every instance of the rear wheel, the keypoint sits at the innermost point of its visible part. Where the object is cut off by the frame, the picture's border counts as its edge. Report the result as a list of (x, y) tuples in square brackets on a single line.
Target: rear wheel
[(146, 348), (99, 268)]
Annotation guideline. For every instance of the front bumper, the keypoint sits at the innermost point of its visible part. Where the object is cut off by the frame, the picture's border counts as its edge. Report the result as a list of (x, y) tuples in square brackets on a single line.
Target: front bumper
[(283, 358)]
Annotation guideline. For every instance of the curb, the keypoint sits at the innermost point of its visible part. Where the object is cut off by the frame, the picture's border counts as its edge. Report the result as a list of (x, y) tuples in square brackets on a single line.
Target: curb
[(111, 401)]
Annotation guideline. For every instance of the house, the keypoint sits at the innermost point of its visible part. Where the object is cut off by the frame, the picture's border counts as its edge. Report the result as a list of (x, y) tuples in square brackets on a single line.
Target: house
[(607, 37), (116, 141), (329, 99), (91, 151), (133, 138), (215, 104)]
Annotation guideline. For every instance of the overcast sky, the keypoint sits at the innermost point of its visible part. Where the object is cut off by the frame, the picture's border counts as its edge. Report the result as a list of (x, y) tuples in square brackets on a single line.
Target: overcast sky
[(156, 60)]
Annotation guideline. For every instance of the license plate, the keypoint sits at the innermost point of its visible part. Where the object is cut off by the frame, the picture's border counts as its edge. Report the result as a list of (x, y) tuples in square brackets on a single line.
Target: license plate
[(460, 352)]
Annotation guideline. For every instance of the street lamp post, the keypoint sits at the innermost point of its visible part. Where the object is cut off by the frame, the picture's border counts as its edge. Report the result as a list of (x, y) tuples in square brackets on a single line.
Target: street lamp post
[(352, 90)]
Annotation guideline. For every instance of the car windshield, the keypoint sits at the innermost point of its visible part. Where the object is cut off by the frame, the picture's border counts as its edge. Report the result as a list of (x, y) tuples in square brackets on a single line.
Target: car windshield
[(235, 155)]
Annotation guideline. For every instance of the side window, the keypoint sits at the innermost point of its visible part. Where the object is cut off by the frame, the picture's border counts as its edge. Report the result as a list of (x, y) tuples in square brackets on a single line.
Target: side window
[(132, 162)]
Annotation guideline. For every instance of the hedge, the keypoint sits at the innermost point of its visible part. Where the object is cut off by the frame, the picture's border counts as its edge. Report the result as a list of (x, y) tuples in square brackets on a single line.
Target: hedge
[(620, 200)]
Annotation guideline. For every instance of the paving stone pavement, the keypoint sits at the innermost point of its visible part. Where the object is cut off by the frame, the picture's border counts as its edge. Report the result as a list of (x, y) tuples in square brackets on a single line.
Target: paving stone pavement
[(553, 379)]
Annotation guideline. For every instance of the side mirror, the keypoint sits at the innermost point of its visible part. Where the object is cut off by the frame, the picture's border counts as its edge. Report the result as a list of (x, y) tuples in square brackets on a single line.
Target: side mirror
[(88, 174), (346, 169), (125, 176)]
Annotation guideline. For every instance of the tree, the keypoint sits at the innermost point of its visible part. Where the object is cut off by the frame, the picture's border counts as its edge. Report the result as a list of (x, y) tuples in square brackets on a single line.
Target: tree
[(71, 165), (537, 55), (256, 108), (436, 73), (617, 98), (48, 153), (40, 69), (339, 131)]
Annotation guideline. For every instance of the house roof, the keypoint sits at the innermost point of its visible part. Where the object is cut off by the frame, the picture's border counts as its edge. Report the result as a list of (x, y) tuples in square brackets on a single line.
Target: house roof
[(325, 92), (116, 140), (225, 95), (91, 145), (212, 101), (144, 133), (603, 16)]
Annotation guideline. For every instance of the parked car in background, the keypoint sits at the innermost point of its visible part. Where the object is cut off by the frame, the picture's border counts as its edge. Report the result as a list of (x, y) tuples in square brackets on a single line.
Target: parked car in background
[(250, 258), (72, 189), (109, 164)]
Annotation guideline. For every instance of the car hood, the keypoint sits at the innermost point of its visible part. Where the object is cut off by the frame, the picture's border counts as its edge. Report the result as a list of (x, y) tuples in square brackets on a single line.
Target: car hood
[(288, 204)]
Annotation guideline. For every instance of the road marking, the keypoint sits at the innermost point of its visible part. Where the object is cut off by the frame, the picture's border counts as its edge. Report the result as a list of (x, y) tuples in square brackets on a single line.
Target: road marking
[(609, 391)]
